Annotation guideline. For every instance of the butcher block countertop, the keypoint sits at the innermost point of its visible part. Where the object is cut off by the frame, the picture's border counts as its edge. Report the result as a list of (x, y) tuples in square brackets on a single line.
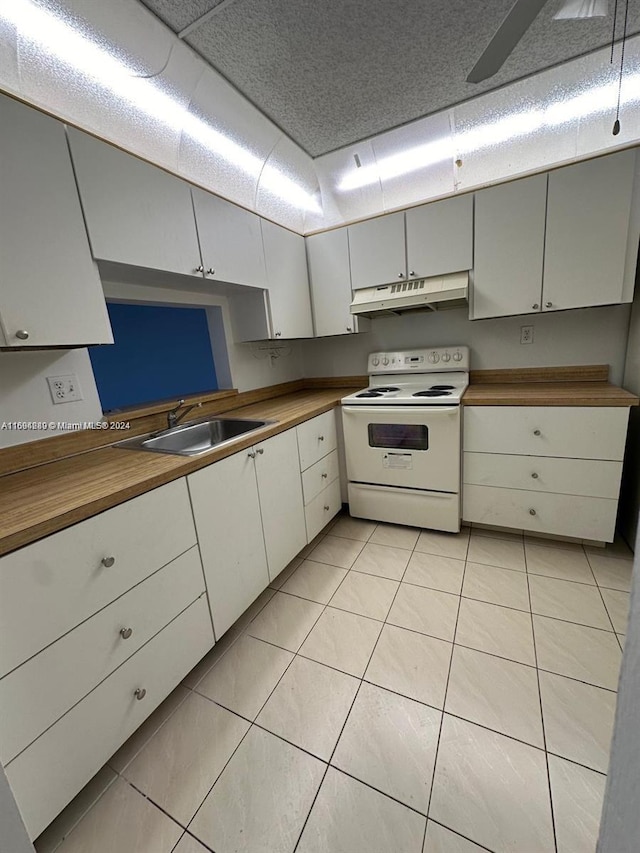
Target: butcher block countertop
[(551, 386), (40, 500), (51, 484)]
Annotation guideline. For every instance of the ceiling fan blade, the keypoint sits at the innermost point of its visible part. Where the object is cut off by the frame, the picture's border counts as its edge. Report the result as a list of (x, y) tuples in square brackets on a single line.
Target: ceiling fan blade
[(572, 9), (509, 33)]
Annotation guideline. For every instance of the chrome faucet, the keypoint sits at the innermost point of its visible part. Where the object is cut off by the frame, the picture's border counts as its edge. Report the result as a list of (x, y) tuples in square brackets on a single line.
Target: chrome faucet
[(173, 418)]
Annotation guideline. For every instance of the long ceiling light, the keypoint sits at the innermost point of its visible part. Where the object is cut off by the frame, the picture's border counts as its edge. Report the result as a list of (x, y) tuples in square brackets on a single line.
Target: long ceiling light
[(56, 37), (507, 129)]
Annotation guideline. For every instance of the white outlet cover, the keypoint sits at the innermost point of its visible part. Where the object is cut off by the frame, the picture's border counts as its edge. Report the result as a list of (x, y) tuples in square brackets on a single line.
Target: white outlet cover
[(64, 389)]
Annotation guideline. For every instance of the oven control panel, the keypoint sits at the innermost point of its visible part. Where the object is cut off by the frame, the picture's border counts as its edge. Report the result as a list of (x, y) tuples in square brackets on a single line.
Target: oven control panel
[(421, 360)]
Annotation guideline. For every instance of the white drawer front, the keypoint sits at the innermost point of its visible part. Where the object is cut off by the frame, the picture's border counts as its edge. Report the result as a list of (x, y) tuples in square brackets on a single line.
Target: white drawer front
[(316, 438), (47, 775), (318, 476), (322, 508), (53, 585), (574, 432), (40, 691), (561, 515), (590, 477)]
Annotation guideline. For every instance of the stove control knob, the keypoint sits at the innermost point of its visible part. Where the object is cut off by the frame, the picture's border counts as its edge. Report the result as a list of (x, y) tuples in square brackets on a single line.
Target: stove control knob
[(446, 357), (457, 356), (375, 361), (385, 361), (434, 358)]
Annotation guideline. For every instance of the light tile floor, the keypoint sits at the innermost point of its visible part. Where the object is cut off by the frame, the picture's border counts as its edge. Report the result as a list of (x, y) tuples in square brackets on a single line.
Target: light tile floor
[(394, 691)]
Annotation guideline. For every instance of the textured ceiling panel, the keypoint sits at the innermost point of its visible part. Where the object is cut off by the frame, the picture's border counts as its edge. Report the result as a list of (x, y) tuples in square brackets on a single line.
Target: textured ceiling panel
[(178, 14), (334, 72)]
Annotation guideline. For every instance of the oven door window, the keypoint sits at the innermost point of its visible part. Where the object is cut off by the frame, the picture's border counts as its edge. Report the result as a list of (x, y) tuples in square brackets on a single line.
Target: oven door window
[(399, 436)]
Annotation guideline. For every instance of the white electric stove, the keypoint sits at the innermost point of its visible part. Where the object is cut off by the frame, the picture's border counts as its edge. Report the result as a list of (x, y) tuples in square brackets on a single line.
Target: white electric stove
[(403, 438)]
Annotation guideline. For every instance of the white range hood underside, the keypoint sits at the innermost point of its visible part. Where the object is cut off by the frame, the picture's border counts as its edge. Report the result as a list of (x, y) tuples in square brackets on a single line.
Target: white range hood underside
[(437, 292), (115, 70)]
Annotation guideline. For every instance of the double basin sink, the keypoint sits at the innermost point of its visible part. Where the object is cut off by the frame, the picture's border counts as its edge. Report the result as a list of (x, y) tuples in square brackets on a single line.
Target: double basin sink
[(195, 438)]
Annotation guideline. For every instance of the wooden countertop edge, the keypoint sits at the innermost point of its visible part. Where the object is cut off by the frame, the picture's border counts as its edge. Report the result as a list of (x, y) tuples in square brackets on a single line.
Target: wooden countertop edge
[(169, 468), (548, 394), (569, 373)]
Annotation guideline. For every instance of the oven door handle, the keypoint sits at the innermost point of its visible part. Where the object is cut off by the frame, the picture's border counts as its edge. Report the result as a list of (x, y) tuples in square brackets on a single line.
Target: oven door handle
[(400, 410)]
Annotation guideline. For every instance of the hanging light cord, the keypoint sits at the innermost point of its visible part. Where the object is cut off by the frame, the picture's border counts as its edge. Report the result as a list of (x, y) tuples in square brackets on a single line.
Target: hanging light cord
[(616, 124), (613, 34)]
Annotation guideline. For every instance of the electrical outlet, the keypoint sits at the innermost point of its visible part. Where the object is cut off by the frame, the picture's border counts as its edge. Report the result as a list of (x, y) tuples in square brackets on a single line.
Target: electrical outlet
[(526, 334), (64, 389)]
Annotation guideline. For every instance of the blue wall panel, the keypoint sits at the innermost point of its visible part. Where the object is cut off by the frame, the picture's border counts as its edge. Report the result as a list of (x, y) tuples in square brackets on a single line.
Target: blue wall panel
[(158, 353)]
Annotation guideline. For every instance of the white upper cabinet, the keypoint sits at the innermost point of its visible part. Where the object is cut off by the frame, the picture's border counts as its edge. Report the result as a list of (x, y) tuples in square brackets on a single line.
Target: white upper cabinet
[(587, 229), (136, 214), (509, 248), (377, 249), (230, 241), (440, 237), (50, 290), (330, 282), (287, 282)]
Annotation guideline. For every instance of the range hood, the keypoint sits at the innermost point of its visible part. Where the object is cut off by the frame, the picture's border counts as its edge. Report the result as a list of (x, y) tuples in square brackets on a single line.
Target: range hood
[(445, 291)]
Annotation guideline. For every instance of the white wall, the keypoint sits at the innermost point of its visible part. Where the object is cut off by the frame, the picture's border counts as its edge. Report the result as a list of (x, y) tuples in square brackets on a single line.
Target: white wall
[(585, 336), (24, 392)]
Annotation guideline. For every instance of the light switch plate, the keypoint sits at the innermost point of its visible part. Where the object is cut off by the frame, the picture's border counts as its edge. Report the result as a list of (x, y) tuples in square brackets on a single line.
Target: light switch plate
[(65, 389)]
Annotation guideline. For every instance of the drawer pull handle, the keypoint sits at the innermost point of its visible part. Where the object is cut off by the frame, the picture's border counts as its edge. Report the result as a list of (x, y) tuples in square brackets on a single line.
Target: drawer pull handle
[(320, 438), (534, 475), (536, 432), (107, 562), (251, 455), (327, 507), (125, 633), (140, 693), (325, 475), (532, 512), (260, 450)]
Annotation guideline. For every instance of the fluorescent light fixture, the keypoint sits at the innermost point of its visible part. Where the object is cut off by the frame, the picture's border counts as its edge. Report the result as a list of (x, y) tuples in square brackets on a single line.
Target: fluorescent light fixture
[(56, 37), (572, 9), (396, 165), (507, 129)]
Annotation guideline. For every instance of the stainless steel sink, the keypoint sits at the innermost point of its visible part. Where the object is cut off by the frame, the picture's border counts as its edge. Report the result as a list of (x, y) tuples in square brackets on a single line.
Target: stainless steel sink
[(196, 438)]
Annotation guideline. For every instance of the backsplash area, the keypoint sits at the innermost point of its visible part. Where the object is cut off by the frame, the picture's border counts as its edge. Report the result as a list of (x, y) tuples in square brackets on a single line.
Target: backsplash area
[(25, 397), (585, 336)]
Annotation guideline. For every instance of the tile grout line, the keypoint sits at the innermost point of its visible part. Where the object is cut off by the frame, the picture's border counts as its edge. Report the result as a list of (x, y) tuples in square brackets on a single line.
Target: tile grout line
[(444, 698), (544, 732), (324, 775), (362, 679)]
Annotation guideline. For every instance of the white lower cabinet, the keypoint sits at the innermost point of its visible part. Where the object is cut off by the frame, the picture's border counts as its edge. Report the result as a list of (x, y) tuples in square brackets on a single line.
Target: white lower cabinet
[(551, 470), (63, 579), (47, 775), (280, 493), (38, 693), (226, 509), (317, 446), (250, 521)]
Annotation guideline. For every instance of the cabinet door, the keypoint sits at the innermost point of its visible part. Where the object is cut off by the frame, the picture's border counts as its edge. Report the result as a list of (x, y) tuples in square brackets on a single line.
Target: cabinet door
[(509, 248), (377, 251), (288, 282), (440, 237), (330, 282), (587, 226), (225, 504), (49, 285), (136, 214), (230, 241), (280, 490)]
